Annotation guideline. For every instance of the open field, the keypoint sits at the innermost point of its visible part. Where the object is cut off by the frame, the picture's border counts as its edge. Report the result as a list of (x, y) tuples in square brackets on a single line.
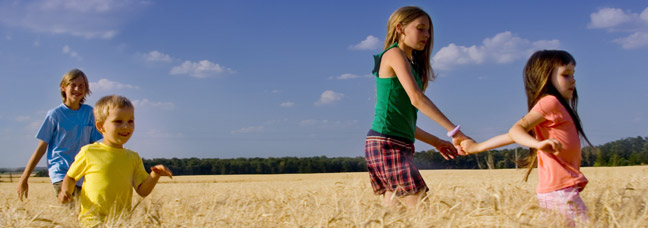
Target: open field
[(616, 197)]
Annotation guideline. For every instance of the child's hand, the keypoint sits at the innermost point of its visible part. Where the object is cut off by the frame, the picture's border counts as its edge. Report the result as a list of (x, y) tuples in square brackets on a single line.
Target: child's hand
[(469, 146), (160, 170), (552, 145), (447, 149), (63, 197), (457, 139)]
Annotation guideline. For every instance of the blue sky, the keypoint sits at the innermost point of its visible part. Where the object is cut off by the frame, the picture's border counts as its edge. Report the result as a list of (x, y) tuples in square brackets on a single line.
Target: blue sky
[(225, 79)]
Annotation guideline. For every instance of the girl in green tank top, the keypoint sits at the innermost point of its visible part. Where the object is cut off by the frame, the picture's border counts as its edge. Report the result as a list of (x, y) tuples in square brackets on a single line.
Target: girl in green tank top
[(402, 72)]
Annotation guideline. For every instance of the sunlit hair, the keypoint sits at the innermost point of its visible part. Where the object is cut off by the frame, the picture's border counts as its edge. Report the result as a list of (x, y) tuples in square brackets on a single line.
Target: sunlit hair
[(106, 103), (404, 16), (71, 75), (537, 84)]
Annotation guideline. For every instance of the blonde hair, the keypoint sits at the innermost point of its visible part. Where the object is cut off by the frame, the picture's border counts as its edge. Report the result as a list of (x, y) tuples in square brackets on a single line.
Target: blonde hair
[(106, 103), (71, 75), (402, 17)]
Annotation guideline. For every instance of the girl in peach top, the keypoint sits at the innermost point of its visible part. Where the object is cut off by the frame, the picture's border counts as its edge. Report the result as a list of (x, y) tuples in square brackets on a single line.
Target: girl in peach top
[(553, 128)]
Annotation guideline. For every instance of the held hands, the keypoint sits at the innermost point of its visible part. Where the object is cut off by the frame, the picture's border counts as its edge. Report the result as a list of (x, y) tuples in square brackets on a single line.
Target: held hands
[(160, 170), (457, 139), (468, 146)]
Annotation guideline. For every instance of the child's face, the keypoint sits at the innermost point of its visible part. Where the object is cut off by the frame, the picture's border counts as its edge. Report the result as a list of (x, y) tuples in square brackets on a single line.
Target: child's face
[(417, 33), (118, 126), (563, 79), (75, 90)]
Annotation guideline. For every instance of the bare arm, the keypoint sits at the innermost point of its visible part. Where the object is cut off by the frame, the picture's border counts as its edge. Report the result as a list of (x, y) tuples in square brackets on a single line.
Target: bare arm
[(520, 133), (146, 187), (23, 185), (446, 148), (67, 188), (470, 147)]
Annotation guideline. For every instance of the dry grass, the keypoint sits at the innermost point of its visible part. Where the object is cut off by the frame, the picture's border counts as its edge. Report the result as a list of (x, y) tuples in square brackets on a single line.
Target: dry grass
[(616, 197)]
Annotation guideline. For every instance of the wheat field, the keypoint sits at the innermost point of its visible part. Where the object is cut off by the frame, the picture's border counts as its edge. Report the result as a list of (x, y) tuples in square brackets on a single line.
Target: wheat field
[(616, 197)]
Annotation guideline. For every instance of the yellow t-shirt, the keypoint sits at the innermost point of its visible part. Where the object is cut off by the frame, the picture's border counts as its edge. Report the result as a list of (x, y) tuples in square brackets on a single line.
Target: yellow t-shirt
[(110, 175)]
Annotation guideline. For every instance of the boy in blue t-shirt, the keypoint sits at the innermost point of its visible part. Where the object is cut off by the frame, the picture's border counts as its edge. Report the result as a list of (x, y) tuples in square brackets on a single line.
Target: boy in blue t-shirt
[(65, 130)]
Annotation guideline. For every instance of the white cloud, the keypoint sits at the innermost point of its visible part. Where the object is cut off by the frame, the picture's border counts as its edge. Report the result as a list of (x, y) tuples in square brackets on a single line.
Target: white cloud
[(502, 48), (349, 76), (150, 104), (287, 104), (370, 43), (247, 130), (328, 124), (616, 20), (36, 43), (22, 118), (156, 56), (329, 97), (68, 51), (202, 69), (83, 18), (608, 17), (634, 41), (107, 85), (275, 91), (34, 125)]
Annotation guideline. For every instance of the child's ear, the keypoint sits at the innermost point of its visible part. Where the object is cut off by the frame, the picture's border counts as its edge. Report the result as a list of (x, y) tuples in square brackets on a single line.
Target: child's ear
[(99, 126)]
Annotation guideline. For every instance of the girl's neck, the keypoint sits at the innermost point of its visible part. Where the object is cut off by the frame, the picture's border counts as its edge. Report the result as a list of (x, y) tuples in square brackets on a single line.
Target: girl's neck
[(406, 49), (72, 105)]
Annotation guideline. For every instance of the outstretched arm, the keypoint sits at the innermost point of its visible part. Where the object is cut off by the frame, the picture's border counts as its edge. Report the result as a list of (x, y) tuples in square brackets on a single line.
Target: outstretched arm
[(23, 184), (471, 147), (446, 148), (146, 187)]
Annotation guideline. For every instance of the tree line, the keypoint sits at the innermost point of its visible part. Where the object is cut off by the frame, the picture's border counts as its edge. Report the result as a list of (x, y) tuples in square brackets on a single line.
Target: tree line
[(623, 152)]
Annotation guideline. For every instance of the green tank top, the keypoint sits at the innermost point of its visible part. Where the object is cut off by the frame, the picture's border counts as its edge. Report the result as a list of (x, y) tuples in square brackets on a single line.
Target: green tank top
[(394, 114)]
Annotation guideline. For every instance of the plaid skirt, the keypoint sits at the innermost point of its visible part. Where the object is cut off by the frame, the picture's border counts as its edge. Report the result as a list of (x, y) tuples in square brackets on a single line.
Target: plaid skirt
[(391, 167)]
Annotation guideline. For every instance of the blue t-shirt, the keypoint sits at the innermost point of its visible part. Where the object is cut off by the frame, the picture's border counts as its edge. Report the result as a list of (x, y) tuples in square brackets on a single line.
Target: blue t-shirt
[(65, 131)]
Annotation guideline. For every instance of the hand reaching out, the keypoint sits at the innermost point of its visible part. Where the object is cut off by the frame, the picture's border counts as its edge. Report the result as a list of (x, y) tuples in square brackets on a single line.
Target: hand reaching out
[(447, 149), (161, 170)]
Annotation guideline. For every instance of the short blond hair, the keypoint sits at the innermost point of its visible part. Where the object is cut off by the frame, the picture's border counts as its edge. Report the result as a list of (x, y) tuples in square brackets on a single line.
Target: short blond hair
[(71, 75), (106, 103)]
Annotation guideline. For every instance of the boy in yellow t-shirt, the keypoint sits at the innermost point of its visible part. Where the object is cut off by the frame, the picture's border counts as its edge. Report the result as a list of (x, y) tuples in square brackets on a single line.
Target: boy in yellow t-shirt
[(110, 170)]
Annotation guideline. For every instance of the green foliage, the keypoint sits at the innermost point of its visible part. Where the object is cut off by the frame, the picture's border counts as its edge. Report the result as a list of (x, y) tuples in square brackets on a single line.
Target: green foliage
[(628, 151), (211, 166)]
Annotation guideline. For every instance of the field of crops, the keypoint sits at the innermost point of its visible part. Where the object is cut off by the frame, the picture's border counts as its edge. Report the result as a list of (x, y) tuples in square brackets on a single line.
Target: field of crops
[(616, 197)]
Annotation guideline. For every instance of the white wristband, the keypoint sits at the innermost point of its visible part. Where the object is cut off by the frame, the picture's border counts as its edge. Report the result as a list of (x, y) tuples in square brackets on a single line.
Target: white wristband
[(454, 131)]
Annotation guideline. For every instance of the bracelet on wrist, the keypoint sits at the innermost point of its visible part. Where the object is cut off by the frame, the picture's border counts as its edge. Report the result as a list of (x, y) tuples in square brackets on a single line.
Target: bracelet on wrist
[(454, 131)]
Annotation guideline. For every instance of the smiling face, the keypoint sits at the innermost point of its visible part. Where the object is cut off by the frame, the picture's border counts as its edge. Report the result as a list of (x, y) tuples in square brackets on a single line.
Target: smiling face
[(417, 33), (118, 126), (563, 80), (74, 91)]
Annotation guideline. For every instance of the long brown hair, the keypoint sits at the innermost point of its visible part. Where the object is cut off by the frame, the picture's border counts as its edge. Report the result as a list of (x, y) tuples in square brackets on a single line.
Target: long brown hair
[(404, 16), (537, 84)]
